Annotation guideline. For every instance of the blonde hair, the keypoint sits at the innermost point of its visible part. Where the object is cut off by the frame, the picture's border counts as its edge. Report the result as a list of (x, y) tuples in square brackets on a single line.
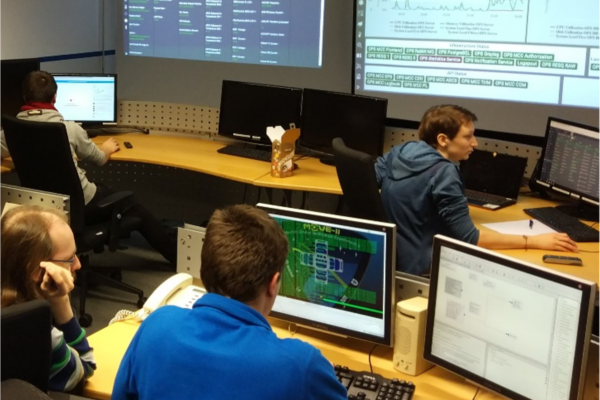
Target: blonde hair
[(26, 242)]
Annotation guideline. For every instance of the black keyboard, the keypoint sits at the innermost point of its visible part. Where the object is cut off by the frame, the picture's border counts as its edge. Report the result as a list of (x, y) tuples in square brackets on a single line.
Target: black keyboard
[(369, 386), (481, 199), (247, 152), (561, 222)]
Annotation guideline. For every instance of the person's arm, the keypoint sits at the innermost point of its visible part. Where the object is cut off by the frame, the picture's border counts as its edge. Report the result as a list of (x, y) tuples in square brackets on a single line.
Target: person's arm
[(328, 386), (72, 359), (124, 388), (547, 241), (108, 147), (85, 149)]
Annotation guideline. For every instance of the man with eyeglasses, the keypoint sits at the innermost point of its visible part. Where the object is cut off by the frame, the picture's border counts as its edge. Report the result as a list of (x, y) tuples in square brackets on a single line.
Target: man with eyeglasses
[(39, 261)]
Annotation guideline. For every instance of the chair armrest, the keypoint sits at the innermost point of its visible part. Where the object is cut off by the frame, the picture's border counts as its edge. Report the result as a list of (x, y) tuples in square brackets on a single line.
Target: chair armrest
[(115, 198)]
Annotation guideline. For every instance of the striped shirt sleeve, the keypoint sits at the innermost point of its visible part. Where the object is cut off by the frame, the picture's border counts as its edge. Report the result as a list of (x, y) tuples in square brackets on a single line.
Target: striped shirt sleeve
[(72, 357)]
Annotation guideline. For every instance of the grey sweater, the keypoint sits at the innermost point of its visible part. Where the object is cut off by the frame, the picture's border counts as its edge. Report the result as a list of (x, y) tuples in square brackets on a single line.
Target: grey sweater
[(82, 147)]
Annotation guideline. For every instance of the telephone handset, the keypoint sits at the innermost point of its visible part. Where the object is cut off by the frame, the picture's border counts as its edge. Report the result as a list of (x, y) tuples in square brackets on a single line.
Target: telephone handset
[(177, 290)]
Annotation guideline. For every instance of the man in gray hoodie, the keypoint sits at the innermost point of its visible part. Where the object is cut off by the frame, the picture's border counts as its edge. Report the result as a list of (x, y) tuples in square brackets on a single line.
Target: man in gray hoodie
[(423, 193), (39, 93)]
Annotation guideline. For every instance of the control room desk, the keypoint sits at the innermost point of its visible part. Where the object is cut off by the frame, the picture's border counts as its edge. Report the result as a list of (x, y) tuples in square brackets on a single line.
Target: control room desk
[(588, 251), (201, 155), (111, 343)]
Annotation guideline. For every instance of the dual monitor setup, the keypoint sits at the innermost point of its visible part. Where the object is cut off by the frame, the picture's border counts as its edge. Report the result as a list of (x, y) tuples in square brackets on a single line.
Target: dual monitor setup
[(247, 109), (517, 329)]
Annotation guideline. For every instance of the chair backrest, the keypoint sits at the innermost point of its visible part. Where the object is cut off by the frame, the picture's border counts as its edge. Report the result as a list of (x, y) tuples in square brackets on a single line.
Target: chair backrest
[(27, 342), (42, 156), (356, 172)]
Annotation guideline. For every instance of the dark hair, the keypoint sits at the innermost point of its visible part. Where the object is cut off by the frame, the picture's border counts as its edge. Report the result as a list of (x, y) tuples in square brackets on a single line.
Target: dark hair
[(39, 86), (243, 248), (445, 118), (25, 243)]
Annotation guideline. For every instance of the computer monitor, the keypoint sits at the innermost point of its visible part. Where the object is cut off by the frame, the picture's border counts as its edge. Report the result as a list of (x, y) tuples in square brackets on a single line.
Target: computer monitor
[(90, 99), (13, 75), (359, 120), (569, 166), (339, 274), (247, 109), (518, 329)]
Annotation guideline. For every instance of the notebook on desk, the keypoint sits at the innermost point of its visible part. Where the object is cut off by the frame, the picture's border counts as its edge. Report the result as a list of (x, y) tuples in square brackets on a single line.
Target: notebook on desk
[(492, 180)]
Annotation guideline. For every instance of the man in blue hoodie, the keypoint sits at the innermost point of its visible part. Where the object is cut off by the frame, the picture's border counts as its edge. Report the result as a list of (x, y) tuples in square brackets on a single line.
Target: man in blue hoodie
[(423, 193), (224, 347)]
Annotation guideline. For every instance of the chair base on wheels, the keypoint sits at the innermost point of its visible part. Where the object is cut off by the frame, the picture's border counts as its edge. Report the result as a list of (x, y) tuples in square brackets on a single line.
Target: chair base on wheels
[(87, 276)]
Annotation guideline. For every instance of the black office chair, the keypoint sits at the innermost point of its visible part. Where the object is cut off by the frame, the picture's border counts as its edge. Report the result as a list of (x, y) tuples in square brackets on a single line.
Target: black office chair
[(42, 156), (356, 173), (26, 343)]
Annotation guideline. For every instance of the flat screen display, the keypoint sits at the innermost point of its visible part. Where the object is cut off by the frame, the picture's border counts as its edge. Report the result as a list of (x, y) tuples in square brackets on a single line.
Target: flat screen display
[(87, 98), (359, 120), (512, 327), (339, 274), (569, 161), (247, 109)]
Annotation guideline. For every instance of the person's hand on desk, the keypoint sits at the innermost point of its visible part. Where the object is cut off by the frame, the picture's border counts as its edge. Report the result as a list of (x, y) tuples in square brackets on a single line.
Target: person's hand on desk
[(108, 147), (553, 241), (546, 241)]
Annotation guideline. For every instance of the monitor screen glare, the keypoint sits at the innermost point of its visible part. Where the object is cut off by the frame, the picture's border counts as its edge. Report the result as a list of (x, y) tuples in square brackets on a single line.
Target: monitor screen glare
[(339, 274), (512, 327), (87, 98)]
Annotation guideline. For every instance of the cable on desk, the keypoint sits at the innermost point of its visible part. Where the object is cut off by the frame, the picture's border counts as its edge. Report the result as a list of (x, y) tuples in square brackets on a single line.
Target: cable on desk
[(371, 352), (476, 393)]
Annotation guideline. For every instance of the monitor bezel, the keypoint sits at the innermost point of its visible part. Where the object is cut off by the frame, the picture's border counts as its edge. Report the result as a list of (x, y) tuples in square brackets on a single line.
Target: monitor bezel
[(557, 188), (245, 136), (389, 299), (377, 138), (587, 288), (94, 75)]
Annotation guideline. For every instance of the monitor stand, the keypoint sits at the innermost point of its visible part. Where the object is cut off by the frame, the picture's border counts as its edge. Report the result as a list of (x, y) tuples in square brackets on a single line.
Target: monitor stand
[(580, 210), (328, 160)]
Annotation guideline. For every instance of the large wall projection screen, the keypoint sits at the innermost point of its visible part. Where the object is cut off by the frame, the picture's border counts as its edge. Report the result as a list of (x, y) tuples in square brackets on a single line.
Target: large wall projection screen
[(278, 32), (513, 62), (180, 51)]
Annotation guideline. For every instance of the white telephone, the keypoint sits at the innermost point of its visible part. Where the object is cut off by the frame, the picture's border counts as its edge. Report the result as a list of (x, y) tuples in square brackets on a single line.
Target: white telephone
[(177, 290)]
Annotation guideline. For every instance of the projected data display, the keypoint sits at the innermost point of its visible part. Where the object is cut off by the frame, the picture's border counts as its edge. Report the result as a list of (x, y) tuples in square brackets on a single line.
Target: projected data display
[(538, 51), (273, 32)]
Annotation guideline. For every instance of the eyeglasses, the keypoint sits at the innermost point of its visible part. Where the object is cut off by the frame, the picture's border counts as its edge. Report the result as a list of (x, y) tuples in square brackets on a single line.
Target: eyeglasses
[(69, 261)]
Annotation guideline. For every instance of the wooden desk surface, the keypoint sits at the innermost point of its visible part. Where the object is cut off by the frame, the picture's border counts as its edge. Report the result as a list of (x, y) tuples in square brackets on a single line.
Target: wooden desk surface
[(111, 343), (201, 155), (588, 251), (6, 166), (187, 153), (311, 176)]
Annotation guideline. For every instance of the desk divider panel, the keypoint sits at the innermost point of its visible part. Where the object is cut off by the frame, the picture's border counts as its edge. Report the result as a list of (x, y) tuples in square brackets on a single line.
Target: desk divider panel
[(204, 121), (25, 196)]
